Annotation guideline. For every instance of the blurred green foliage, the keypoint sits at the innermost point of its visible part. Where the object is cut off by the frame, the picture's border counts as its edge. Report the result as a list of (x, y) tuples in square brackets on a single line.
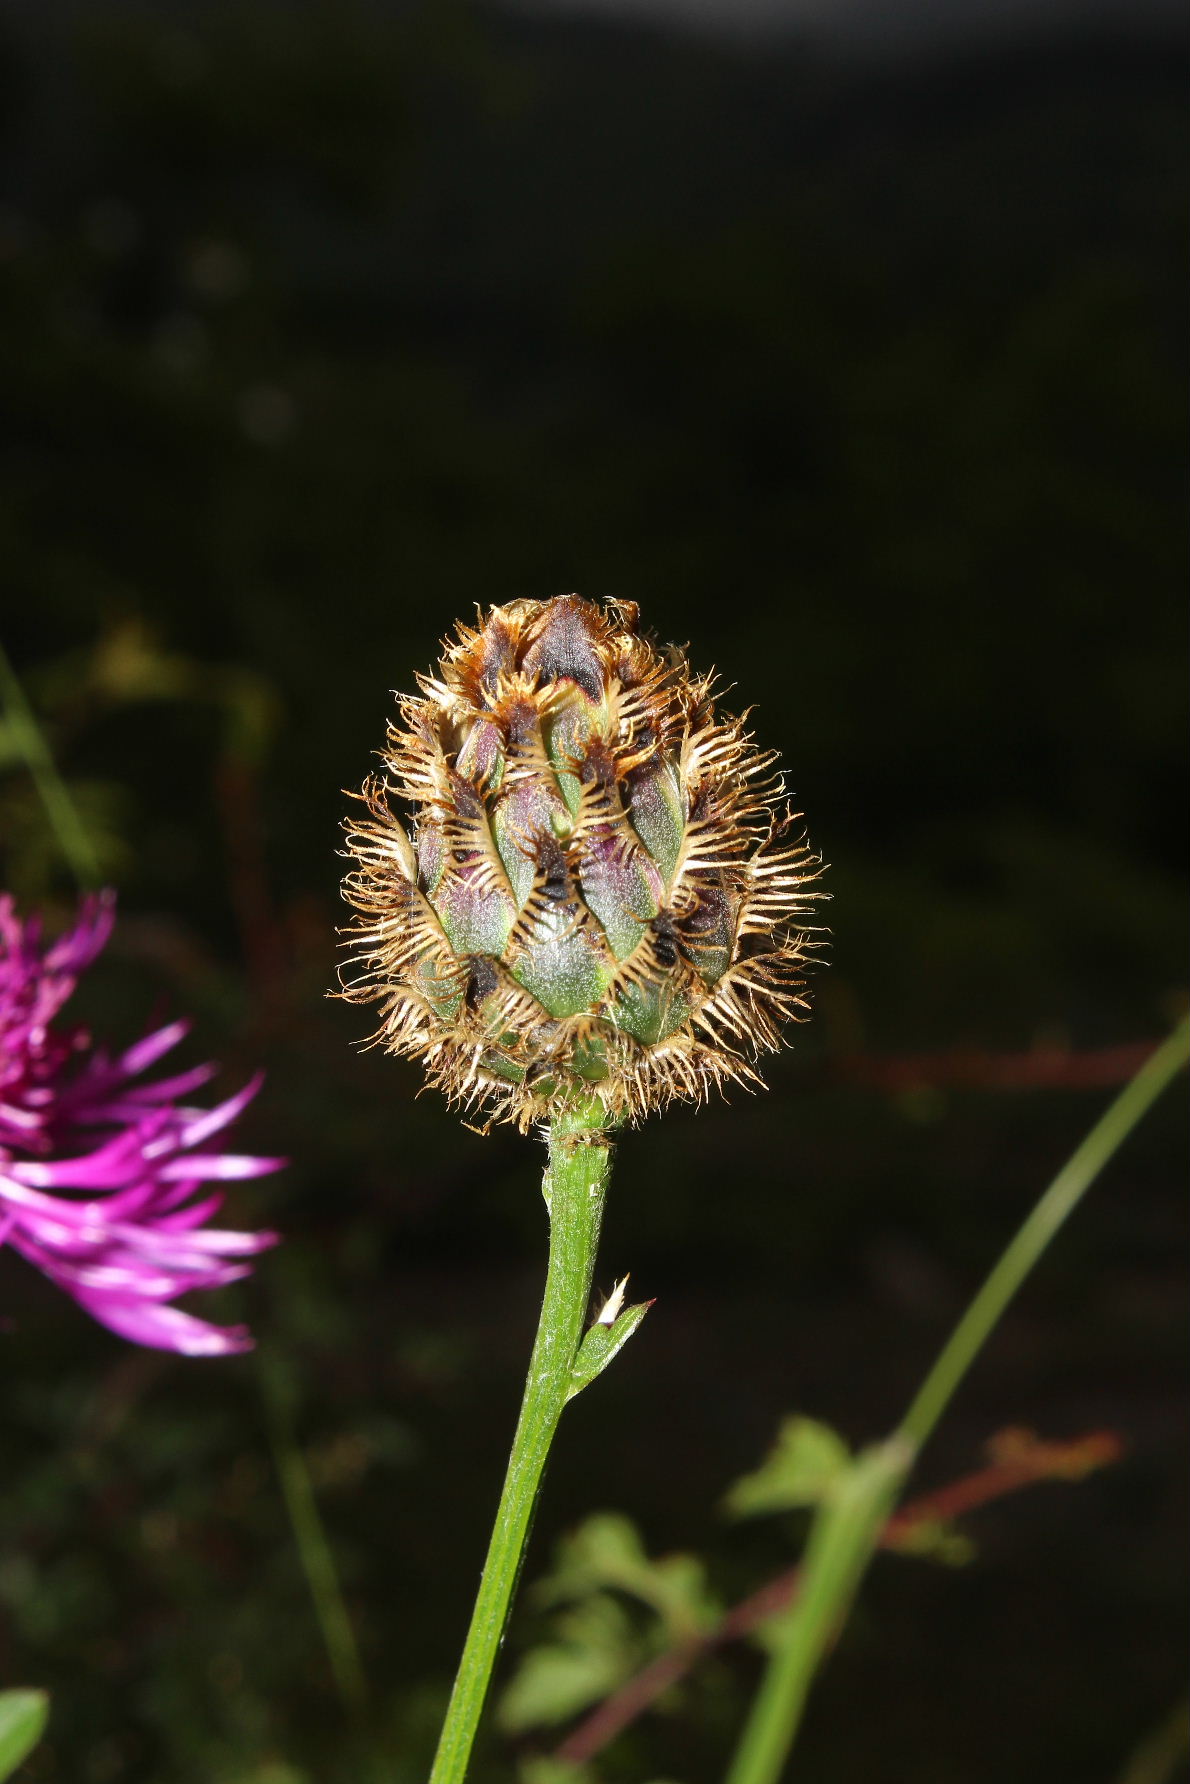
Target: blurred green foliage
[(607, 1609), (319, 325), (804, 1467)]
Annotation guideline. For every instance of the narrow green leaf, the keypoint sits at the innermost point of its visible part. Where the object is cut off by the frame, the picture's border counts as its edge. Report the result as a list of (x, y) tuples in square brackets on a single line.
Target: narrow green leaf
[(23, 1716)]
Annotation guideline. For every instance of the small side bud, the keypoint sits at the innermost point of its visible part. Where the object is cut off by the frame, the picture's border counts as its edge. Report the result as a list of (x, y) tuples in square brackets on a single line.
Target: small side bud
[(606, 1338), (610, 1311)]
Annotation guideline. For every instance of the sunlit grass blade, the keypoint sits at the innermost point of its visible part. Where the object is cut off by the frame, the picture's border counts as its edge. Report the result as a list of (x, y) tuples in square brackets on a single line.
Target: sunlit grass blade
[(60, 809)]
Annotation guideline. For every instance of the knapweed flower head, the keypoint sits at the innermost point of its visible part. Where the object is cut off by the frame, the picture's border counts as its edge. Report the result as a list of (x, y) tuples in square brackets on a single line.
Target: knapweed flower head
[(133, 1155), (595, 887)]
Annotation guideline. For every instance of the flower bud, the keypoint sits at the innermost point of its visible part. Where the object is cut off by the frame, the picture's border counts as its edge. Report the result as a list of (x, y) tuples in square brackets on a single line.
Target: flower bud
[(596, 889)]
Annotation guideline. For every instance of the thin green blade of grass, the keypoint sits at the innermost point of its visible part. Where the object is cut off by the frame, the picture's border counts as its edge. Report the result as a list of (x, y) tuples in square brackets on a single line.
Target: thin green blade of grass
[(313, 1546), (30, 742)]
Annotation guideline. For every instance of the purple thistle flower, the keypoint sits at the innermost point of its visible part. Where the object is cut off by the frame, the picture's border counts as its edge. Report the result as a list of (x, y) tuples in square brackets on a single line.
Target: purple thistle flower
[(73, 1117)]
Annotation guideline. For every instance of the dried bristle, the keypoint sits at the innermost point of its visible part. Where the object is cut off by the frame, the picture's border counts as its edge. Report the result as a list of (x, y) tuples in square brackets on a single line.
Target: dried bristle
[(596, 888)]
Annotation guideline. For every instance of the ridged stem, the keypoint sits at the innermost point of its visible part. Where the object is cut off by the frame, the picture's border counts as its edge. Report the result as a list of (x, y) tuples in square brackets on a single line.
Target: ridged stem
[(574, 1184)]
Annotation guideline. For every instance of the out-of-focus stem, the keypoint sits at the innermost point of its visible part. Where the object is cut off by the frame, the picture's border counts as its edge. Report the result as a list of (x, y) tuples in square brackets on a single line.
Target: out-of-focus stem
[(1063, 1194), (846, 1531), (574, 1184)]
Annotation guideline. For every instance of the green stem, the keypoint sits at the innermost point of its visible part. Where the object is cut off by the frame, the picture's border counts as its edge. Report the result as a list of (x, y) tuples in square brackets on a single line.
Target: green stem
[(847, 1529), (38, 758), (574, 1184)]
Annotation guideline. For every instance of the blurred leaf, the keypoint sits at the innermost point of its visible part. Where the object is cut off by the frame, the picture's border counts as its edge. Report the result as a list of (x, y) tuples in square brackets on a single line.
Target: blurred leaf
[(273, 1771), (128, 664), (23, 1716), (934, 1539), (606, 1553), (543, 1768), (596, 1642), (597, 1650), (605, 1549), (805, 1467)]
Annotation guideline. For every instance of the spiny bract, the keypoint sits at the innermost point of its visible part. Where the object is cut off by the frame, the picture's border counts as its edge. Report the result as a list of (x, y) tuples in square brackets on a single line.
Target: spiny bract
[(598, 889)]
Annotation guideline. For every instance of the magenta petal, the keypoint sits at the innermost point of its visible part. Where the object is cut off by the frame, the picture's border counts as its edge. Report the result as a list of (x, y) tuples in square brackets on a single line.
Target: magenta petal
[(212, 1121), (21, 1197), (144, 1284), (184, 1218), (111, 1167), (73, 1118), (148, 1197), (225, 1166), (164, 1328), (80, 945), (133, 1102), (147, 1052), (217, 1239), (26, 1119)]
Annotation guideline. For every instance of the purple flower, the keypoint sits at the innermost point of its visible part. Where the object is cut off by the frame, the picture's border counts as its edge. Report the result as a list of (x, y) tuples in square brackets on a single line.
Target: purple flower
[(75, 1118)]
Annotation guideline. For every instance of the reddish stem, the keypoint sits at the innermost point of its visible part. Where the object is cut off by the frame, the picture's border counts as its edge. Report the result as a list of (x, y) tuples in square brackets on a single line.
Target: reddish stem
[(974, 1068)]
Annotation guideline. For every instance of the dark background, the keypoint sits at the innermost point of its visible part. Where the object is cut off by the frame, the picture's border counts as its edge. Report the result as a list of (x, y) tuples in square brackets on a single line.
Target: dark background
[(861, 370)]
